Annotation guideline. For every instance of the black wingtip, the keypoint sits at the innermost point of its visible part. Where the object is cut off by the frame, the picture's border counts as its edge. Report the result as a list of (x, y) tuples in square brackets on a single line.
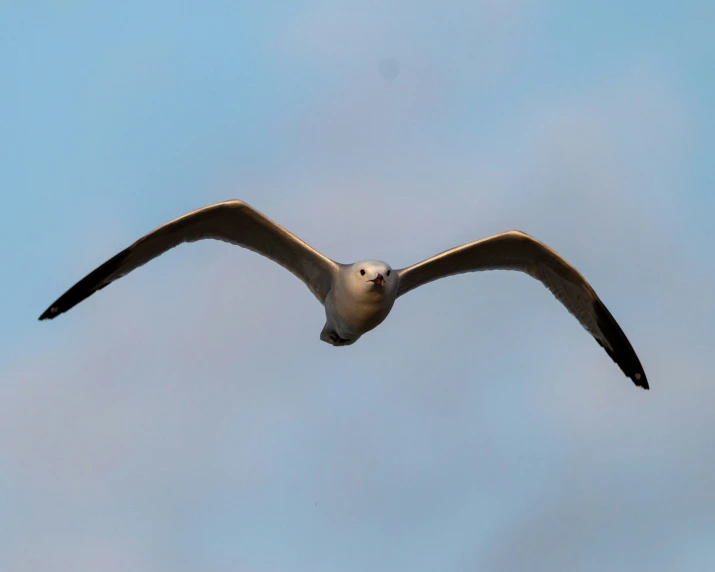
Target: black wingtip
[(620, 350), (50, 313), (94, 281), (640, 380)]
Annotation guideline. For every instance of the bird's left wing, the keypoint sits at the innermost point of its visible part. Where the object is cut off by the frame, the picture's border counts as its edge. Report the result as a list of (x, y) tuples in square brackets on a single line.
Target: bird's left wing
[(230, 221), (516, 250)]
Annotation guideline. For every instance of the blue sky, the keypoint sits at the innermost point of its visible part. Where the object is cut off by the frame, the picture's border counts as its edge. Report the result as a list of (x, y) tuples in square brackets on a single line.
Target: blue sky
[(189, 418)]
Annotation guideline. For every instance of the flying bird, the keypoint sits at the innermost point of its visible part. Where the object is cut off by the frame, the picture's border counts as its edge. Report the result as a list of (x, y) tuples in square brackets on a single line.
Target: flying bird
[(358, 297)]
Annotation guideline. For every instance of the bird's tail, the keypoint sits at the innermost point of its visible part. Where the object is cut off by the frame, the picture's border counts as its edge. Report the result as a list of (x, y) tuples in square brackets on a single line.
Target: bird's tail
[(330, 336)]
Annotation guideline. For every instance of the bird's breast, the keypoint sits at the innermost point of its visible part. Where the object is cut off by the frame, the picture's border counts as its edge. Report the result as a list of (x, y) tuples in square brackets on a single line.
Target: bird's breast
[(358, 315)]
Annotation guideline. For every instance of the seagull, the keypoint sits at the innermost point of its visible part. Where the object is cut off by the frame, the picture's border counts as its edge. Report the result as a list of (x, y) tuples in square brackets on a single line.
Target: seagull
[(358, 297)]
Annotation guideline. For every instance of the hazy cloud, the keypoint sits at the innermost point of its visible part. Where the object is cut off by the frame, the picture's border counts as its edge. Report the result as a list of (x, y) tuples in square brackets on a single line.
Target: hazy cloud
[(188, 417)]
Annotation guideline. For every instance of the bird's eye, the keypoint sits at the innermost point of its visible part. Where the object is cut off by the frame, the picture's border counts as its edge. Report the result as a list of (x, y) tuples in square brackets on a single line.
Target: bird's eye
[(362, 272), (388, 273)]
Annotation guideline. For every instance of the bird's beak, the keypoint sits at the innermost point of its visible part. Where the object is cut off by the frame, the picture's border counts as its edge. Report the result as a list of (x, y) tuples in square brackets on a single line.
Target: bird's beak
[(379, 280)]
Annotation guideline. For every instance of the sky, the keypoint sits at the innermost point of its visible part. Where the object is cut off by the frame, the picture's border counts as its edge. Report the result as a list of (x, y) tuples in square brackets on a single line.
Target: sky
[(189, 418)]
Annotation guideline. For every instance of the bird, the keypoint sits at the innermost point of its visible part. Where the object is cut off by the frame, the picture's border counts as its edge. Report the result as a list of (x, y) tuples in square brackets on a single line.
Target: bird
[(358, 297)]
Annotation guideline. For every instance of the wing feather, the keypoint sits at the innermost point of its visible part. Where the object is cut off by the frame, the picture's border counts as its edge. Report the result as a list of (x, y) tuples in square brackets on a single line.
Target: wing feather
[(231, 221), (515, 250)]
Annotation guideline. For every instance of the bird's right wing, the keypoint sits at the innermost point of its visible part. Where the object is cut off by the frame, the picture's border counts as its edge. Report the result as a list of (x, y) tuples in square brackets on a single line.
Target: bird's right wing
[(231, 221)]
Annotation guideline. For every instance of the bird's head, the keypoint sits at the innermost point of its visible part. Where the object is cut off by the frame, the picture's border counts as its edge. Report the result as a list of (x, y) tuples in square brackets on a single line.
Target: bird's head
[(372, 277)]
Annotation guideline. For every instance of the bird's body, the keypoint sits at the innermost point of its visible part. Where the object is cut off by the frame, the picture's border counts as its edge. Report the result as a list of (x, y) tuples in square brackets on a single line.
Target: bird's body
[(356, 304), (358, 297)]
